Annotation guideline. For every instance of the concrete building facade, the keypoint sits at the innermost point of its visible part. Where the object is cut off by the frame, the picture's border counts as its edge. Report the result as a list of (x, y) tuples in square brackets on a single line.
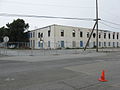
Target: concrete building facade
[(59, 36)]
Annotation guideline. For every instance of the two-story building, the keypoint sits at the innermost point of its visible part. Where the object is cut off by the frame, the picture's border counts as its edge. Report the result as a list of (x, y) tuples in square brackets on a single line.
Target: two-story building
[(59, 36)]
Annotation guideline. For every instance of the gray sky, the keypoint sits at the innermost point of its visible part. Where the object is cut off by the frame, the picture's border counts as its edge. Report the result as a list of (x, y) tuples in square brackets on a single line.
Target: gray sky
[(108, 10)]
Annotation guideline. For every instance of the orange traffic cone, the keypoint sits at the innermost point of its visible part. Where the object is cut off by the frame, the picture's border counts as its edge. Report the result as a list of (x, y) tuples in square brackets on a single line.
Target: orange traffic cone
[(102, 78)]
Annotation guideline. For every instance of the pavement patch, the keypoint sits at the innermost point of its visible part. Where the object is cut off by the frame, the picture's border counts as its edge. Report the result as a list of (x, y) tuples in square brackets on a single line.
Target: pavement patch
[(93, 68)]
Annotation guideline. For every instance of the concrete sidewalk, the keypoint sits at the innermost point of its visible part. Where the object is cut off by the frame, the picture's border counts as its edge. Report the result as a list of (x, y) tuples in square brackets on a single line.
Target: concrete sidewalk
[(51, 57)]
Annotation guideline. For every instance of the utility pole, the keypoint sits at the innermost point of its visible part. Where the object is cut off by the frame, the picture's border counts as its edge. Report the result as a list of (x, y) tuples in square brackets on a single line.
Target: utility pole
[(97, 25), (90, 36)]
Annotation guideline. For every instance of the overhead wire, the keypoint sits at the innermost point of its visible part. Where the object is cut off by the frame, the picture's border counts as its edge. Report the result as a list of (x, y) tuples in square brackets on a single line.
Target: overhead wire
[(39, 4), (110, 22), (109, 25), (38, 16), (69, 18)]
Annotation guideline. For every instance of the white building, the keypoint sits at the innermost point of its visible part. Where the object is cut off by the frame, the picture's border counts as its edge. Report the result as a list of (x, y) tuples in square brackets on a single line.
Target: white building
[(59, 36)]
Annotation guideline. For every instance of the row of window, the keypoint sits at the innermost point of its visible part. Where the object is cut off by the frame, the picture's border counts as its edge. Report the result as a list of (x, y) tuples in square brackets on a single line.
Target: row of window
[(110, 36), (40, 35), (109, 44), (81, 44), (94, 35), (73, 33)]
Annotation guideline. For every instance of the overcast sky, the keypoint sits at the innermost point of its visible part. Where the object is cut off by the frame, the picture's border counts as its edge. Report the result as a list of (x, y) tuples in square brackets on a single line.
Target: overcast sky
[(108, 10)]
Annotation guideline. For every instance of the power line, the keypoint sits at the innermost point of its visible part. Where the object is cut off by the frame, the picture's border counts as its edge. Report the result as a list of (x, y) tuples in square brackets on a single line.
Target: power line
[(37, 16), (110, 22), (109, 26), (54, 5)]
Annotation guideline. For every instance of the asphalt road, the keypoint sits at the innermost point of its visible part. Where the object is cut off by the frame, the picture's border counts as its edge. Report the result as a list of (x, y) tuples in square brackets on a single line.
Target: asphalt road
[(77, 73)]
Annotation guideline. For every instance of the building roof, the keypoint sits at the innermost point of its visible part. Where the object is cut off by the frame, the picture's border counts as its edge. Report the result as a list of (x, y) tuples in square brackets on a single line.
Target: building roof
[(67, 26)]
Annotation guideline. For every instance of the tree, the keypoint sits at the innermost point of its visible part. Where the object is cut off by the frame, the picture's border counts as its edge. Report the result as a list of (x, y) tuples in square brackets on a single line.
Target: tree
[(3, 32), (16, 31)]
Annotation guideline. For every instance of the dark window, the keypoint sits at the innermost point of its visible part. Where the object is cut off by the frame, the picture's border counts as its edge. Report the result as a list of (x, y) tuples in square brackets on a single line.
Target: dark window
[(104, 35), (113, 35), (99, 35), (94, 44), (105, 44), (113, 44), (38, 35), (81, 34), (117, 36), (49, 33), (39, 44), (109, 35), (31, 34), (73, 33), (87, 34), (28, 35), (94, 35), (41, 35), (62, 33), (99, 43)]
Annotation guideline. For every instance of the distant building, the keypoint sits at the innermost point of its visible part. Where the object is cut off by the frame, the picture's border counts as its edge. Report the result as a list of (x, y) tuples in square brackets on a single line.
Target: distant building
[(59, 36)]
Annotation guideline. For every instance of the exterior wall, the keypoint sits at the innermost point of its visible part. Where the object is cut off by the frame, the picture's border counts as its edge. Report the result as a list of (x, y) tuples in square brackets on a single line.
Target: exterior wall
[(68, 38), (55, 40), (42, 42)]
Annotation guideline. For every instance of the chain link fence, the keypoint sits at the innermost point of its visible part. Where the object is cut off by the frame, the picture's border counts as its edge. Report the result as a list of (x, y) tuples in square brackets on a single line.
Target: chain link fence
[(23, 49)]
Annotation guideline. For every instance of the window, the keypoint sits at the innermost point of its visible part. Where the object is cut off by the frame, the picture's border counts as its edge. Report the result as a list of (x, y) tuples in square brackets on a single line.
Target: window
[(62, 44), (113, 35), (104, 35), (94, 35), (81, 34), (117, 44), (87, 34), (49, 33), (94, 45), (109, 35), (73, 44), (48, 43), (99, 43), (62, 33), (105, 44), (113, 44), (33, 34), (117, 35), (29, 35), (39, 44), (81, 43), (73, 33), (39, 35), (99, 35), (109, 44), (33, 43)]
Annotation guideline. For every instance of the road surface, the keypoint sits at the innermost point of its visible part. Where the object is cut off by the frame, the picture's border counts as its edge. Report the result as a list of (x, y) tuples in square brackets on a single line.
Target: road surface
[(62, 72)]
